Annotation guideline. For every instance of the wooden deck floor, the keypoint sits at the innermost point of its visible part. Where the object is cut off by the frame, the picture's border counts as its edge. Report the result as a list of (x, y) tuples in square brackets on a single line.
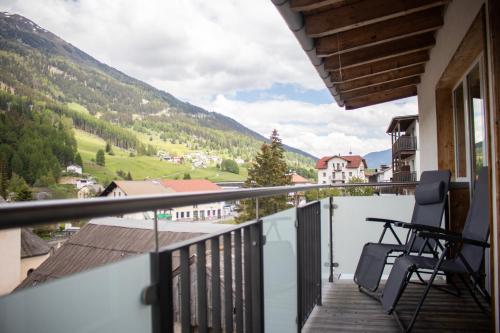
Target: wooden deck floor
[(345, 309)]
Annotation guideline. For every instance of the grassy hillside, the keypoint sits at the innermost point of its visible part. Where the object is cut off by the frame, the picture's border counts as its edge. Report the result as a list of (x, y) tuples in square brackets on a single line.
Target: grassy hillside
[(141, 167)]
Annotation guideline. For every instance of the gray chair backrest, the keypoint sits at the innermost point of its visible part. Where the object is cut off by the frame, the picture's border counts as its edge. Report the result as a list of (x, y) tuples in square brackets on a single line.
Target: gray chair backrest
[(477, 224), (430, 214)]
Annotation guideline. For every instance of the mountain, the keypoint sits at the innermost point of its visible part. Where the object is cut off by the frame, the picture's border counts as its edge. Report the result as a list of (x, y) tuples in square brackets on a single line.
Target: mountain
[(374, 159), (36, 63)]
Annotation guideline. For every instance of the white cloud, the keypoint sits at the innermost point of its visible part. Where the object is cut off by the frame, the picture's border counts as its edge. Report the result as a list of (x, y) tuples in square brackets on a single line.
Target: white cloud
[(204, 51), (319, 129), (193, 49)]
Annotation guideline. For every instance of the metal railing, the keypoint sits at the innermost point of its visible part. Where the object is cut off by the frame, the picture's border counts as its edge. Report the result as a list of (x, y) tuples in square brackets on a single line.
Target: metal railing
[(404, 176), (236, 282), (405, 143)]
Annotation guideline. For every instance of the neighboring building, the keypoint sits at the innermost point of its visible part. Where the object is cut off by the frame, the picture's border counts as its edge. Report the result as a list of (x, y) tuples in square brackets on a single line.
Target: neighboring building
[(84, 182), (210, 211), (380, 175), (405, 152), (73, 168), (89, 191), (299, 180), (124, 188), (340, 169), (34, 251)]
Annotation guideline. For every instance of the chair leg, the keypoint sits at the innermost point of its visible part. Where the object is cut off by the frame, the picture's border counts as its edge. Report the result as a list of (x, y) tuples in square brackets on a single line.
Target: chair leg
[(421, 302), (473, 294)]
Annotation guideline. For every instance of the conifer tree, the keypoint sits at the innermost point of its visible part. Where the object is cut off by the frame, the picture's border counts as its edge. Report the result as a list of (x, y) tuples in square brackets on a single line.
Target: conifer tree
[(268, 169), (99, 157), (78, 160)]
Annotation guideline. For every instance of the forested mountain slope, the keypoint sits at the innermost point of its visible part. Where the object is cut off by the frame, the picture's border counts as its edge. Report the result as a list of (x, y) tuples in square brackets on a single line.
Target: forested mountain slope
[(36, 63)]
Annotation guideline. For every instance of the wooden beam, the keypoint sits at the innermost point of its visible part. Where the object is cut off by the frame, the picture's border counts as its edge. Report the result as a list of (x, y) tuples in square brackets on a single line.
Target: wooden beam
[(373, 34), (381, 97), (380, 51), (306, 5), (362, 13), (408, 81), (381, 66), (381, 78)]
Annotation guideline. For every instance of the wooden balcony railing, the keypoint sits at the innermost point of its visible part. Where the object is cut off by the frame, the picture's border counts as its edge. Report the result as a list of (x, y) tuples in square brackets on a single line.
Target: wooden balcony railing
[(405, 143), (404, 176)]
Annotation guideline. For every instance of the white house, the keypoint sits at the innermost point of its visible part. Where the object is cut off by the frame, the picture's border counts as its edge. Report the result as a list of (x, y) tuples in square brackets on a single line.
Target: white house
[(84, 182), (74, 168), (89, 191), (340, 169), (381, 174), (203, 212)]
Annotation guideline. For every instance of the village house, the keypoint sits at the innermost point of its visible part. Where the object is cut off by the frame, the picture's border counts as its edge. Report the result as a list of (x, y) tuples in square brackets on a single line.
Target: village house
[(89, 191), (340, 169), (380, 175), (74, 168), (212, 211)]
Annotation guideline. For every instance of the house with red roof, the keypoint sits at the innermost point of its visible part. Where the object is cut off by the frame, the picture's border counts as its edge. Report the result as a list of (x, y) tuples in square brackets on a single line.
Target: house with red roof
[(340, 169)]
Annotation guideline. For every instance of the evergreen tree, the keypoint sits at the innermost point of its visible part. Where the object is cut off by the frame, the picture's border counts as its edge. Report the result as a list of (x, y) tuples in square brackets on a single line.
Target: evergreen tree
[(4, 179), (269, 169), (21, 190), (187, 175), (78, 160), (108, 147), (99, 157), (129, 176)]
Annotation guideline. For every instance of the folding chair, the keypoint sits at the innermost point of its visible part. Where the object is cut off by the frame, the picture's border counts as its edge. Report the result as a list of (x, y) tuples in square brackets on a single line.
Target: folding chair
[(430, 201), (467, 262)]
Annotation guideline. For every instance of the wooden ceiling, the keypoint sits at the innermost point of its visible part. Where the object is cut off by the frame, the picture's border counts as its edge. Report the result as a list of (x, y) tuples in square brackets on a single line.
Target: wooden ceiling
[(374, 50)]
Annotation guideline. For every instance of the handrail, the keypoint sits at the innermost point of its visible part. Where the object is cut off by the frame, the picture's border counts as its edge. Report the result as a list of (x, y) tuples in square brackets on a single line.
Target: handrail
[(23, 214)]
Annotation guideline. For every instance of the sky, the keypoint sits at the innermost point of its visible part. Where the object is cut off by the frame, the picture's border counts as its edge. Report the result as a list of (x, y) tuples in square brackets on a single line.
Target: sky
[(234, 57)]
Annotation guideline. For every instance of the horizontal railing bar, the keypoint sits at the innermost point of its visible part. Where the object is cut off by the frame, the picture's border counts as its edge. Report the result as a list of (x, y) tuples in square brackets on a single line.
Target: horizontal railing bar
[(21, 214), (203, 238)]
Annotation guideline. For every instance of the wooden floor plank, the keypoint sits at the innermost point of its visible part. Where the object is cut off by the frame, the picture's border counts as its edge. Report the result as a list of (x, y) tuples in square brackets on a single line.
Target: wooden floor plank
[(345, 309)]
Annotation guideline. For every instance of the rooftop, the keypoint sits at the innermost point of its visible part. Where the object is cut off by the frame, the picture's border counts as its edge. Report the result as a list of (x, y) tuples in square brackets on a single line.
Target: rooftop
[(353, 161), (137, 187), (191, 185), (404, 122)]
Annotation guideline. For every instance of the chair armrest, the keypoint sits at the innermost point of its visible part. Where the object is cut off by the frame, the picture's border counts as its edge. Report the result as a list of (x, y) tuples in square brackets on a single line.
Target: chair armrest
[(382, 220), (453, 238), (423, 227)]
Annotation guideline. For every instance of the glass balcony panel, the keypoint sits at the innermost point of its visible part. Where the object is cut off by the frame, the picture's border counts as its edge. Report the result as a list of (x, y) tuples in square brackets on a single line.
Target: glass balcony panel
[(325, 239), (280, 271), (105, 299), (351, 231)]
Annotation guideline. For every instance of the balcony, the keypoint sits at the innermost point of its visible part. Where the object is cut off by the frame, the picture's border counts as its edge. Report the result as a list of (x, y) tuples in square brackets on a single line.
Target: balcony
[(404, 176), (287, 272), (405, 145)]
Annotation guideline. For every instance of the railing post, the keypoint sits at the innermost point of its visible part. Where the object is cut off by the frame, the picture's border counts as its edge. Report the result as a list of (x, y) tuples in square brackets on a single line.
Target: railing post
[(256, 208), (163, 311), (330, 236)]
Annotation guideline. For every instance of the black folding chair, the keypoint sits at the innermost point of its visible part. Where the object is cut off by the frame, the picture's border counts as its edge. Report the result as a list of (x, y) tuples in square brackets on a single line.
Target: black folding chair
[(467, 262), (430, 202)]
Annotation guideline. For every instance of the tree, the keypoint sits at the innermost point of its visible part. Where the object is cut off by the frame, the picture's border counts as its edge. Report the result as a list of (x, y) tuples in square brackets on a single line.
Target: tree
[(187, 175), (358, 191), (99, 157), (230, 166), (129, 176), (268, 169), (4, 178), (109, 149), (20, 188), (78, 160)]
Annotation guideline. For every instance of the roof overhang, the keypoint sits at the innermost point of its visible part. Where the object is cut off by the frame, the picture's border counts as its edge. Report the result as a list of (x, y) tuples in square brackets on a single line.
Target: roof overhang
[(366, 51), (404, 122)]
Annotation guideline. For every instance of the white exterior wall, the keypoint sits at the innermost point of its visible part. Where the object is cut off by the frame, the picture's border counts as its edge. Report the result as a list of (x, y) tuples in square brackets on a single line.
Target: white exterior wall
[(457, 19), (10, 260), (31, 263), (176, 212)]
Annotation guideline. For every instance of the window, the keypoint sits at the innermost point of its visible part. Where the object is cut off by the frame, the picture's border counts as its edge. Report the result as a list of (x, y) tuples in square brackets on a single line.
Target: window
[(343, 175), (350, 174), (324, 174), (333, 175), (208, 212), (469, 125), (176, 215), (476, 114), (324, 181), (182, 215), (218, 213), (187, 214)]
